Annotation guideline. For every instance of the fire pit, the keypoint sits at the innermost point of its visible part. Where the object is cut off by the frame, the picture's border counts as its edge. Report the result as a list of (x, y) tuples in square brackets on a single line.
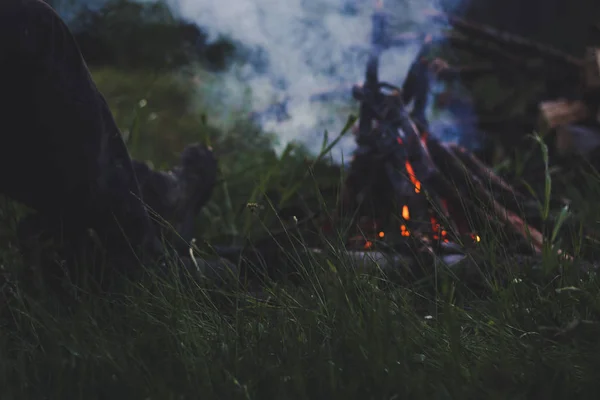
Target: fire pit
[(408, 193), (410, 199)]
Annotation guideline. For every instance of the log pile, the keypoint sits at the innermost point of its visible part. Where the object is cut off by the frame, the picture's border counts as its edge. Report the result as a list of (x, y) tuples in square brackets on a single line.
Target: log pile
[(408, 195), (408, 191), (576, 122), (570, 109)]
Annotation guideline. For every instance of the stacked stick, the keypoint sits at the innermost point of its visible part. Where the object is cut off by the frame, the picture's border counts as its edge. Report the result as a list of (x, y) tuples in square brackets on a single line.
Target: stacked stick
[(570, 109), (467, 195), (576, 121)]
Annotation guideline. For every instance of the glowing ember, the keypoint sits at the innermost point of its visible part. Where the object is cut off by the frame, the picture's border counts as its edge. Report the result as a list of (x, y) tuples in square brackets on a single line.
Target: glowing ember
[(413, 178), (405, 212), (381, 234), (368, 245), (404, 231), (438, 231)]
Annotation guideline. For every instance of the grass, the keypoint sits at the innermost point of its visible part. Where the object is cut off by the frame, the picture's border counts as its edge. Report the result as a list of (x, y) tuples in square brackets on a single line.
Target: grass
[(342, 333)]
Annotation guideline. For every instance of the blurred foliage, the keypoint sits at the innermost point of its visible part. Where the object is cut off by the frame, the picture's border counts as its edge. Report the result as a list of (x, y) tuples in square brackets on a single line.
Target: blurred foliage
[(159, 114), (144, 35)]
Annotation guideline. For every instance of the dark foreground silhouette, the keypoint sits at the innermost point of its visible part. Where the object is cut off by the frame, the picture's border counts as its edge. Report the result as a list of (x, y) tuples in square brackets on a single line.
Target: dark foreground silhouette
[(62, 154)]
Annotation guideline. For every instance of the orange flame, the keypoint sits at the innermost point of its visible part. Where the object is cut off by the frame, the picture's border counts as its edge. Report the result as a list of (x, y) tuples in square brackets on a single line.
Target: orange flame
[(404, 231), (405, 212), (413, 178), (438, 231), (381, 234)]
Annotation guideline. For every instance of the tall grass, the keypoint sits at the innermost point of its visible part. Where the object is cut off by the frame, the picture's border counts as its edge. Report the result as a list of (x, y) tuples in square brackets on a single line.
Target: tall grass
[(341, 334)]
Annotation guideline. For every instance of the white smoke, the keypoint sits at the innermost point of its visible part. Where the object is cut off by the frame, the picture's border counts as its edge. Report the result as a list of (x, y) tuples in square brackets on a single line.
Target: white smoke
[(311, 46)]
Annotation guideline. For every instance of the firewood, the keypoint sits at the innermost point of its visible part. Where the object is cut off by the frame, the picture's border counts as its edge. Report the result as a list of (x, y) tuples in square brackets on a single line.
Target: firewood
[(478, 199), (498, 187), (562, 112), (467, 196), (455, 183), (453, 180)]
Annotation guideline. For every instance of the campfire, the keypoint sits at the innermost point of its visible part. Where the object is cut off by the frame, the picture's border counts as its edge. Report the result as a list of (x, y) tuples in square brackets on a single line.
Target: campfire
[(408, 196), (406, 189)]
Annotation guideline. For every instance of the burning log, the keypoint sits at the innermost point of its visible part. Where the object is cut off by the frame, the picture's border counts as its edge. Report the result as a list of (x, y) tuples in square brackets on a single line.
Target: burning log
[(466, 204), (438, 193), (422, 199)]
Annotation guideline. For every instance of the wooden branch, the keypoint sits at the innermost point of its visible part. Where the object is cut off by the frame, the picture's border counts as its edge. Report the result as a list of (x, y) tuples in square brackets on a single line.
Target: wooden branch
[(485, 174), (529, 233), (471, 188), (562, 112), (455, 184)]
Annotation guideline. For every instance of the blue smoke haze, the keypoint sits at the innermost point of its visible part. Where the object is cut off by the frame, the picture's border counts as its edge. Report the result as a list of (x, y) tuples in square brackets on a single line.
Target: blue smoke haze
[(307, 47)]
